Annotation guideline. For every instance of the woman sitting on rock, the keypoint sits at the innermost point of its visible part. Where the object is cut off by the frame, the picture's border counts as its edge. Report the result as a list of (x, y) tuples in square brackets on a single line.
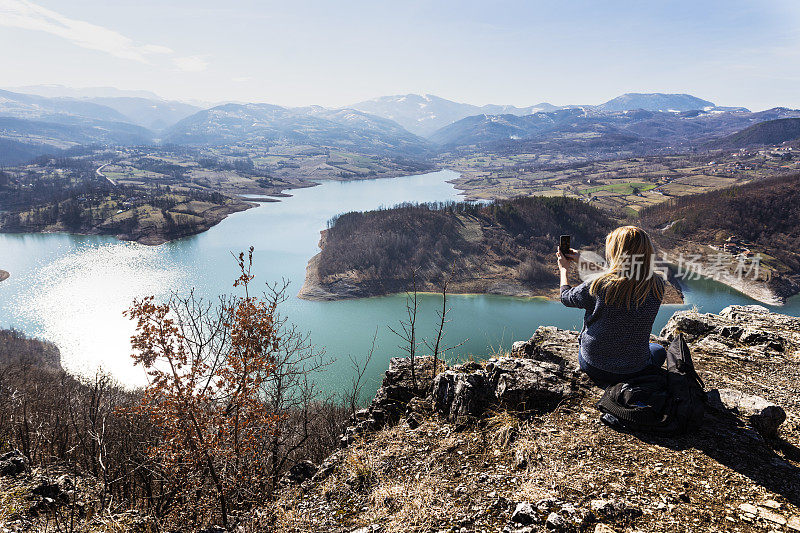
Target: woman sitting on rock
[(621, 306)]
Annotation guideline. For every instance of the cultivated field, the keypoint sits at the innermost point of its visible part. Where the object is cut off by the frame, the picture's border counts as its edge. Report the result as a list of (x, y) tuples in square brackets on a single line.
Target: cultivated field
[(623, 185)]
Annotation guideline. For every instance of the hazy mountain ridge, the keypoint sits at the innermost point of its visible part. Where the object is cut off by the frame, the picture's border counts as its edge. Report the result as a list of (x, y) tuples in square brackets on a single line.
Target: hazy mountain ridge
[(32, 125), (150, 112), (22, 139), (424, 114), (28, 106), (232, 123), (73, 131), (63, 91), (763, 133), (655, 102), (668, 129)]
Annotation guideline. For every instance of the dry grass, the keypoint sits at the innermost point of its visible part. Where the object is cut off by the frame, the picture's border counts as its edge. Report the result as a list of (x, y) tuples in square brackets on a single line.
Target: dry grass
[(12, 501), (433, 478), (414, 504), (502, 427)]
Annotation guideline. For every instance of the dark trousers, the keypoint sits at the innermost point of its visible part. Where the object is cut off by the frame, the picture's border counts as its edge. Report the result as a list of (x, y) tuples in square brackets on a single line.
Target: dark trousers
[(603, 379)]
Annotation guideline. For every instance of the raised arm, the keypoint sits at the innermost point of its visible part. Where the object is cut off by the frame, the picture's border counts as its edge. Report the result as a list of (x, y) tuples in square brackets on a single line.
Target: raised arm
[(565, 264), (572, 296)]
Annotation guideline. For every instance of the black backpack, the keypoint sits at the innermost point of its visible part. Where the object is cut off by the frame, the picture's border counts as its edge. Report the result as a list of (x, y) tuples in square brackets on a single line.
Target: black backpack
[(667, 402)]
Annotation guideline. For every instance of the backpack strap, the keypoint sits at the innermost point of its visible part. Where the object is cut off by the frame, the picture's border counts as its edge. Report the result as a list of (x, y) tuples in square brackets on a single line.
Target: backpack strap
[(679, 360)]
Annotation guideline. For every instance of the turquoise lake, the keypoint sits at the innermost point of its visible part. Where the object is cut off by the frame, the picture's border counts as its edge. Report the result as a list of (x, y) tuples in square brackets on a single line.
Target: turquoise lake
[(72, 289)]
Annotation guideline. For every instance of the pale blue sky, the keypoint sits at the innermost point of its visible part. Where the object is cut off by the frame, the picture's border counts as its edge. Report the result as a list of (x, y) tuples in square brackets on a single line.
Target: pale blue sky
[(338, 52)]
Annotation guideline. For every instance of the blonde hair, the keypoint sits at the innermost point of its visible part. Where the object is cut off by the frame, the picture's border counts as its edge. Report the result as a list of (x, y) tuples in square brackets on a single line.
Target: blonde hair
[(630, 276)]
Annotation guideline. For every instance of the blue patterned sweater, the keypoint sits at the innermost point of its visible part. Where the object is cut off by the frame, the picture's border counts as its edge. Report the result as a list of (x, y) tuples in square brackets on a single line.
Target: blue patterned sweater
[(613, 339)]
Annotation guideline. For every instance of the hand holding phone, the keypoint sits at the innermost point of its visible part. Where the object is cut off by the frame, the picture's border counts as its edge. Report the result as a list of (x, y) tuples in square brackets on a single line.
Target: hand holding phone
[(564, 245), (566, 255)]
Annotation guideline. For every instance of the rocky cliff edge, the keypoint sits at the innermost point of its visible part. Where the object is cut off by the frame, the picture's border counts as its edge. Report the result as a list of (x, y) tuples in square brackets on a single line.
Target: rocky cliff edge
[(514, 444)]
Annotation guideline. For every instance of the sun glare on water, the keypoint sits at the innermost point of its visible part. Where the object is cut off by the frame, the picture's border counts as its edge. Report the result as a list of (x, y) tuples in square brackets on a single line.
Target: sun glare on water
[(78, 300)]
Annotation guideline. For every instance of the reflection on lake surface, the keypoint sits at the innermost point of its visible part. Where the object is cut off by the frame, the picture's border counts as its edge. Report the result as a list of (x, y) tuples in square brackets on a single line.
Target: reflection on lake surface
[(72, 289)]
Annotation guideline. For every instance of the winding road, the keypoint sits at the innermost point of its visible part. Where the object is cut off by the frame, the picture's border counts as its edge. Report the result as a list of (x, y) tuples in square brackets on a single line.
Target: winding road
[(100, 174)]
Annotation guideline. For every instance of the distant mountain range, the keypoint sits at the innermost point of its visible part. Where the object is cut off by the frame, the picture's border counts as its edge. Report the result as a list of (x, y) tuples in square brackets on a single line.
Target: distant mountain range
[(655, 102), (152, 113), (32, 125), (29, 106), (59, 117), (424, 114), (63, 91), (649, 128), (345, 128)]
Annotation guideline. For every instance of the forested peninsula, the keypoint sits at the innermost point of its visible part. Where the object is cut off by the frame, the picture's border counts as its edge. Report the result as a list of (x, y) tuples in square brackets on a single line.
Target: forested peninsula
[(504, 248)]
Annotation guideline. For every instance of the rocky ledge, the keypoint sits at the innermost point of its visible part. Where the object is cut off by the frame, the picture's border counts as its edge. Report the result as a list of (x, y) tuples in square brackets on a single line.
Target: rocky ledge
[(514, 444)]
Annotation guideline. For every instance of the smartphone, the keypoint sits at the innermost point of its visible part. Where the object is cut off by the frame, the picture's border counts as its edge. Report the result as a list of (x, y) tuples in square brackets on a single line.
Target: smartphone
[(564, 245)]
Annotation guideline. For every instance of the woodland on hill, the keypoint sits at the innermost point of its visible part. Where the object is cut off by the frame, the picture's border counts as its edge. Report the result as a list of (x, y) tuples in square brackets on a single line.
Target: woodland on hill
[(761, 133), (511, 239)]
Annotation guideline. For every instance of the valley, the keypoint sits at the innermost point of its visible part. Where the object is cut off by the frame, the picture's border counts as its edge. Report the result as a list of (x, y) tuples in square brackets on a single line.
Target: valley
[(198, 166), (71, 289), (409, 267), (623, 185), (728, 226), (122, 192), (744, 236), (155, 194)]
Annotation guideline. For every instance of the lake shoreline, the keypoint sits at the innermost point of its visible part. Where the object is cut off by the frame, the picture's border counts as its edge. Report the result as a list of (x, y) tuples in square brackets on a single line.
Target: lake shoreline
[(775, 290), (775, 294), (238, 203), (314, 289), (148, 236), (72, 290), (327, 293)]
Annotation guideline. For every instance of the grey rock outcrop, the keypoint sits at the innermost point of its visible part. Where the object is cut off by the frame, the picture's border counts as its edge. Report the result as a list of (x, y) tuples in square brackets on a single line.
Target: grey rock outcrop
[(13, 463), (549, 343), (518, 384), (543, 370), (537, 381), (747, 355), (528, 384), (399, 386), (763, 415), (460, 396), (742, 463), (738, 330)]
